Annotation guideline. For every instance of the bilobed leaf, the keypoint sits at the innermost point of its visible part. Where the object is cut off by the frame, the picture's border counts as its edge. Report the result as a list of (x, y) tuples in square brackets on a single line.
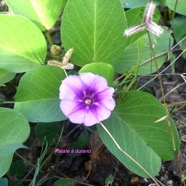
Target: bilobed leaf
[(14, 130), (43, 12), (94, 29), (180, 8), (22, 47), (37, 96), (133, 126), (5, 76), (102, 69), (147, 64)]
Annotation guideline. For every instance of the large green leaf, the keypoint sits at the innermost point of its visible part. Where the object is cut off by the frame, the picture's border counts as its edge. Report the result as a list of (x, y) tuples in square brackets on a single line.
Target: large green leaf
[(5, 76), (133, 126), (147, 65), (179, 32), (180, 8), (43, 12), (102, 69), (37, 96), (22, 45), (136, 3), (14, 130), (95, 30)]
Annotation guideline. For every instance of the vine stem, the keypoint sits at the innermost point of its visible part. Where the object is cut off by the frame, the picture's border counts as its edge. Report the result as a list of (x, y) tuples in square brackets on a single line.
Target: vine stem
[(174, 12), (126, 154), (163, 70), (49, 39), (172, 49), (163, 94)]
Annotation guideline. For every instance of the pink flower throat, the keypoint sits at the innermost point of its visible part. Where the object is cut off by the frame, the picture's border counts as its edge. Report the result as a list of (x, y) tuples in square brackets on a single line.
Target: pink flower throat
[(88, 101)]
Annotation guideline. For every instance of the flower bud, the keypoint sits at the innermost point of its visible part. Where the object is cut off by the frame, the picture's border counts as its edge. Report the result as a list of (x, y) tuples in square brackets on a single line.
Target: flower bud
[(55, 50)]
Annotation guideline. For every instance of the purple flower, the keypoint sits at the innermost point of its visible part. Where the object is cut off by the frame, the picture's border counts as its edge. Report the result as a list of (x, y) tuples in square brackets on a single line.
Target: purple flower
[(86, 98)]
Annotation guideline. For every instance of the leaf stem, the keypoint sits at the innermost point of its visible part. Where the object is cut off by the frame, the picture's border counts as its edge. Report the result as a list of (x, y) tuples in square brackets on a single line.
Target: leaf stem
[(49, 39)]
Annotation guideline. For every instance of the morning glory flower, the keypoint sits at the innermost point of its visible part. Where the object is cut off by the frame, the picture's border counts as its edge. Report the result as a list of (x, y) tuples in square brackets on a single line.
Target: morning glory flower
[(86, 99)]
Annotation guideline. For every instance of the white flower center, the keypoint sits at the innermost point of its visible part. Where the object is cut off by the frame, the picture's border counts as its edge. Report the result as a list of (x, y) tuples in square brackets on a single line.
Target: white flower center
[(88, 101)]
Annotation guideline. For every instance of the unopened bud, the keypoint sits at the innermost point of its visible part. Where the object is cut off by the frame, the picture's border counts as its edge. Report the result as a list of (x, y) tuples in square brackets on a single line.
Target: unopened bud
[(55, 50)]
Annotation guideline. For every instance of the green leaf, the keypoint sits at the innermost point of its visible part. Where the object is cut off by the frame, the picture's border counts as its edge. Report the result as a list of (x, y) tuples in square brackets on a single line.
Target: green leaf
[(147, 65), (179, 32), (109, 181), (3, 182), (177, 28), (102, 69), (180, 8), (83, 139), (94, 29), (162, 3), (132, 124), (17, 168), (14, 130), (15, 183), (64, 3), (66, 182), (43, 12), (48, 130), (5, 76), (22, 47), (136, 3), (37, 96)]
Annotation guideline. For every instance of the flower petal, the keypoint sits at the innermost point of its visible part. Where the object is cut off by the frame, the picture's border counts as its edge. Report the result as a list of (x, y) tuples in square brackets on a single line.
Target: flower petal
[(95, 82), (71, 88), (78, 116), (87, 78), (101, 112), (73, 110), (67, 106), (90, 118), (108, 103), (101, 84), (70, 106), (106, 93)]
